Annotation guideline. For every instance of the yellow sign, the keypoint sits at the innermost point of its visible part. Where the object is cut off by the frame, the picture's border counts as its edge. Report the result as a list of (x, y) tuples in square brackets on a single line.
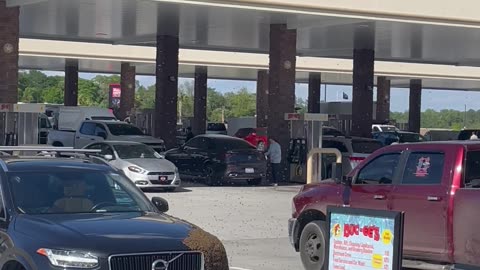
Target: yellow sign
[(377, 261), (387, 237)]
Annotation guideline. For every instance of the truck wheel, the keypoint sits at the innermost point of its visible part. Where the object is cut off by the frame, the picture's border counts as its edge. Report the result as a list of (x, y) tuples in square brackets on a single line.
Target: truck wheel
[(313, 245)]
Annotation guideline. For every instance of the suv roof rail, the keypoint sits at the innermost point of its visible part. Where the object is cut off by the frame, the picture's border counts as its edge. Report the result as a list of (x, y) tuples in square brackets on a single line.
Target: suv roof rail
[(45, 150)]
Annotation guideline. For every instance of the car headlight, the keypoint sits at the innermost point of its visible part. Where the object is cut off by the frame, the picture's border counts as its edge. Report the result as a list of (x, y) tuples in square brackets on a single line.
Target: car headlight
[(69, 258), (136, 169)]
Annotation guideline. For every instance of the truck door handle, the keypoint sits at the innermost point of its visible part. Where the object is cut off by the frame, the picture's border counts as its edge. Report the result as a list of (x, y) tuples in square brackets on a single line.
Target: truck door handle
[(379, 197), (77, 137), (433, 199)]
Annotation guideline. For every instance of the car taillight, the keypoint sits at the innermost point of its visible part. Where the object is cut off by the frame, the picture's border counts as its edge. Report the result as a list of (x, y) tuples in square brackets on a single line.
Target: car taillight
[(354, 161)]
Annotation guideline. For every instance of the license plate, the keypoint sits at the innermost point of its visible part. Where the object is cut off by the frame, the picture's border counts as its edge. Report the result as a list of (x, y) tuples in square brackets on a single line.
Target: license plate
[(249, 170)]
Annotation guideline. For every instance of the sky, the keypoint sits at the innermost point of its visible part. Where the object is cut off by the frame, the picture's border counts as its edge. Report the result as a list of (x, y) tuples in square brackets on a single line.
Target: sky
[(431, 99)]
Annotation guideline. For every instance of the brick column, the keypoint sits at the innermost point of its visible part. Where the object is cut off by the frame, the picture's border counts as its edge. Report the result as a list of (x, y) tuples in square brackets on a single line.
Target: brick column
[(127, 85), (262, 98), (415, 106), (9, 29), (200, 101), (70, 97), (166, 90), (281, 95), (383, 99), (314, 87), (362, 104)]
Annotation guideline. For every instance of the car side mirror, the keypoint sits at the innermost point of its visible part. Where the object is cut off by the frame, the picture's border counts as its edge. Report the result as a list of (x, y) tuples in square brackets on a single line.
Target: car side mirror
[(102, 135), (347, 181), (108, 157), (161, 204)]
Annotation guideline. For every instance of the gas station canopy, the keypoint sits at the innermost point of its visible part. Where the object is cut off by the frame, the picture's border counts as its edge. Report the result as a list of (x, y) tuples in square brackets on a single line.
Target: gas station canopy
[(405, 31)]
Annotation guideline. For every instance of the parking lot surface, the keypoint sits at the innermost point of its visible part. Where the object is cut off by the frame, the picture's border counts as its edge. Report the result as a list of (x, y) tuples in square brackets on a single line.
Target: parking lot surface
[(250, 221)]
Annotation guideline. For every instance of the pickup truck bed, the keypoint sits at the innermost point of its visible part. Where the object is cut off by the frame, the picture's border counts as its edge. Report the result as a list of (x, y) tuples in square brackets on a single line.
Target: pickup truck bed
[(437, 185)]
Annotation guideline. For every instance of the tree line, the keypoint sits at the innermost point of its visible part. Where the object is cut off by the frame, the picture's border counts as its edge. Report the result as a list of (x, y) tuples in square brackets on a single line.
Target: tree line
[(37, 87)]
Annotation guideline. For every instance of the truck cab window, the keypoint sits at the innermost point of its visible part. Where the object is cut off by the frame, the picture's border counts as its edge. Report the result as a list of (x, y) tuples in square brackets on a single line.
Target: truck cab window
[(100, 129), (380, 171), (423, 169), (472, 170), (88, 129)]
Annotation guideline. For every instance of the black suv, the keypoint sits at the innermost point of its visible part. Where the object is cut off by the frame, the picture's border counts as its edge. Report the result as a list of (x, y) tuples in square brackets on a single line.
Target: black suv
[(67, 213)]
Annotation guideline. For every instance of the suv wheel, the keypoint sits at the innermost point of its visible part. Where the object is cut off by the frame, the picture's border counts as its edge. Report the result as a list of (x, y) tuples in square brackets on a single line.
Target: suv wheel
[(313, 245)]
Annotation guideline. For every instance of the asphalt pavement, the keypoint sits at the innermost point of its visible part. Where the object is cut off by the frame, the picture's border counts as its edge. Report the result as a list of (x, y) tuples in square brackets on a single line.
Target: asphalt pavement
[(250, 221)]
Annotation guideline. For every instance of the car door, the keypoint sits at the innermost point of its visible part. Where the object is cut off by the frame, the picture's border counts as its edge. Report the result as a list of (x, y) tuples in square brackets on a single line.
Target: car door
[(373, 183), (423, 197), (182, 158), (198, 155), (86, 135)]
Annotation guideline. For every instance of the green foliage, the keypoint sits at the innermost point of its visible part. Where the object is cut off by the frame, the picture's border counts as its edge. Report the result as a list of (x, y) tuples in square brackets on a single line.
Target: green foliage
[(450, 119)]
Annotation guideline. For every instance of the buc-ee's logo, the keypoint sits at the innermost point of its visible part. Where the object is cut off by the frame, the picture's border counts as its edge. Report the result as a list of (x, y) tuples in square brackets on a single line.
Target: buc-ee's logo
[(337, 230)]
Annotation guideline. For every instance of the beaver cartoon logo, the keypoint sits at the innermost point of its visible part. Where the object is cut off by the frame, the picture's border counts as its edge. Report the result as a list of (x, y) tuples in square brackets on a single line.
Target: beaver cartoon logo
[(337, 230)]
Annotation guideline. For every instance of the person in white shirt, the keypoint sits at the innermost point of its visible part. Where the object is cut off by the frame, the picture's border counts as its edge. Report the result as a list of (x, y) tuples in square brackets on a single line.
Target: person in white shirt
[(474, 136), (275, 154)]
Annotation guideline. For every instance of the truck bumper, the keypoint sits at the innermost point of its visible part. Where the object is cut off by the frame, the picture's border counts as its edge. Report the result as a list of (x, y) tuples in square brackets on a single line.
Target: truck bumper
[(292, 228)]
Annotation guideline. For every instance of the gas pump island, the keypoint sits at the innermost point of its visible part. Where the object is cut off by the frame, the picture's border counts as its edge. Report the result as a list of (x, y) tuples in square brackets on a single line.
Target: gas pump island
[(306, 135)]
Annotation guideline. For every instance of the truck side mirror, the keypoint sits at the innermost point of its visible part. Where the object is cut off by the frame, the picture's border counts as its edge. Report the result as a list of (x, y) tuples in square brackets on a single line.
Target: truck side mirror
[(347, 181), (161, 204)]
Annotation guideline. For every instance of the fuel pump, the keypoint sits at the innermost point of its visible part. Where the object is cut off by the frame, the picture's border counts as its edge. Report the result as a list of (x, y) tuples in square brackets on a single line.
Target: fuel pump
[(305, 134)]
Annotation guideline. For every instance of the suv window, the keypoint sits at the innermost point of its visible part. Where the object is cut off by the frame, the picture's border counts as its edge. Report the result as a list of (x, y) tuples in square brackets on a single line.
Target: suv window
[(365, 147), (335, 144), (379, 171), (198, 143), (472, 170), (216, 127), (88, 129), (423, 169), (243, 132)]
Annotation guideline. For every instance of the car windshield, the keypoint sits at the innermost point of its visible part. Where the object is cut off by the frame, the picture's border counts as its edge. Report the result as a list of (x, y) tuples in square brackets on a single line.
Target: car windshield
[(124, 130), (388, 128), (131, 151), (69, 192)]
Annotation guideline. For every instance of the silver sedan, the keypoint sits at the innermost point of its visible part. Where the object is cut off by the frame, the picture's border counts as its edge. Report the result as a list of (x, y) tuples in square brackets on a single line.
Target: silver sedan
[(140, 163)]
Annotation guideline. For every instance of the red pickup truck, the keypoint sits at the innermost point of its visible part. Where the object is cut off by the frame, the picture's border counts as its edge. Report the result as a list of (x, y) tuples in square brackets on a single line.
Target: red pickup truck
[(437, 185)]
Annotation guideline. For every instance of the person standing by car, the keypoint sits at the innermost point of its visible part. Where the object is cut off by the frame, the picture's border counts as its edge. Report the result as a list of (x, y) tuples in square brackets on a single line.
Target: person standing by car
[(275, 154), (189, 134)]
